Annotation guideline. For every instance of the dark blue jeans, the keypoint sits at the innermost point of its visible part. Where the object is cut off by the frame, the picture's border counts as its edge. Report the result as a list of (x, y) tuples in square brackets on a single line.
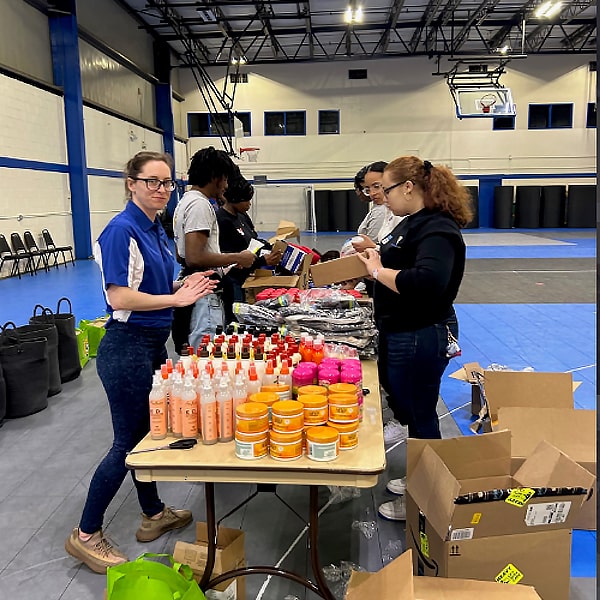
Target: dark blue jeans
[(411, 364), (127, 357)]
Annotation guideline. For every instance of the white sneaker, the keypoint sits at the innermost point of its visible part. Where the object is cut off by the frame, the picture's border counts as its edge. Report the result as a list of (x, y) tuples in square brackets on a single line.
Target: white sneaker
[(393, 431), (396, 486), (394, 511)]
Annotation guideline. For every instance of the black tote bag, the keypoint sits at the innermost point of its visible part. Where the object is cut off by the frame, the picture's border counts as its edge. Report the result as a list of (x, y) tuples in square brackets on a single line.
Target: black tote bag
[(68, 351), (25, 370), (49, 331), (2, 397)]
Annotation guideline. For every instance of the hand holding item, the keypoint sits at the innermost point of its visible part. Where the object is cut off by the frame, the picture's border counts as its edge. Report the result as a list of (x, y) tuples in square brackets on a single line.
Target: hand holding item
[(245, 259), (274, 257), (198, 276), (361, 242), (371, 259)]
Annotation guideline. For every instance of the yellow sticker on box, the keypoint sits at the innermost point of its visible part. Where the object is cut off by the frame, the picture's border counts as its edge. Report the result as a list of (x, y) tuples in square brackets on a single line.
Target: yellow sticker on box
[(424, 544), (476, 518), (520, 497), (510, 574)]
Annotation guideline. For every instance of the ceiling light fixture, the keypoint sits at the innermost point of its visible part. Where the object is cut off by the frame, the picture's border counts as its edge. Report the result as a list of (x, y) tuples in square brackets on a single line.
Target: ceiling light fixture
[(503, 50), (547, 10), (353, 15)]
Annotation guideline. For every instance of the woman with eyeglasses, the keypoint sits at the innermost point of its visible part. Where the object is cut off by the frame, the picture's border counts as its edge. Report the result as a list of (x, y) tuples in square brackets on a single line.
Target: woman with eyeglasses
[(137, 273), (417, 274), (379, 221)]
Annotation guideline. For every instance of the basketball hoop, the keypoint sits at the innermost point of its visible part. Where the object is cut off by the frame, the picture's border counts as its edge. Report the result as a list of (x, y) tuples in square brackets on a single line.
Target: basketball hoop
[(486, 102), (251, 153)]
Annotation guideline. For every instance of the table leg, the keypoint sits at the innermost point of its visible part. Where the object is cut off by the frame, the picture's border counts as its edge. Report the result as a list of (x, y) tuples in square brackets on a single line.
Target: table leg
[(313, 528), (209, 496)]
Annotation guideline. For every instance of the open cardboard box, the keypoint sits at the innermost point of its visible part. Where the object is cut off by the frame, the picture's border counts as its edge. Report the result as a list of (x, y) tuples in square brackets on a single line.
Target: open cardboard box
[(229, 555), (395, 581), (262, 279), (571, 430), (285, 230), (439, 471), (338, 269), (517, 388)]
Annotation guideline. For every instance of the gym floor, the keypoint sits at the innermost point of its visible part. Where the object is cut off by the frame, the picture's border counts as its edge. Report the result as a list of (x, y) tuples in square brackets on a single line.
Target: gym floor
[(528, 299)]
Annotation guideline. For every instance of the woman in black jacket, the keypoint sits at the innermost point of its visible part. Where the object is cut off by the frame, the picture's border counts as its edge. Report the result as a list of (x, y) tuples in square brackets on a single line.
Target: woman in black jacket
[(417, 275)]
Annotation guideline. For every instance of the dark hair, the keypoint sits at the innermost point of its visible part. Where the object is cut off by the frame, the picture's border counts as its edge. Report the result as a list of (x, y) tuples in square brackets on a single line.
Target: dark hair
[(377, 167), (441, 189), (208, 164), (136, 163), (239, 189), (359, 178), (330, 255)]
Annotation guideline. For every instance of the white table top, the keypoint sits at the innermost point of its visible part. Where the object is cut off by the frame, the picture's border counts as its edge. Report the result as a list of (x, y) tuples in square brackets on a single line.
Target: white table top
[(359, 467)]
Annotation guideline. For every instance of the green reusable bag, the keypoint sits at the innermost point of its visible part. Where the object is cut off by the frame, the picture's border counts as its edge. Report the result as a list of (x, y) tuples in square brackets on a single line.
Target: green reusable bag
[(149, 580), (83, 346), (96, 331)]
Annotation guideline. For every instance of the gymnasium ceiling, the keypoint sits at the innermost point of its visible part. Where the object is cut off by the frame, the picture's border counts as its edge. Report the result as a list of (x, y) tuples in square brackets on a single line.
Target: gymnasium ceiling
[(213, 32)]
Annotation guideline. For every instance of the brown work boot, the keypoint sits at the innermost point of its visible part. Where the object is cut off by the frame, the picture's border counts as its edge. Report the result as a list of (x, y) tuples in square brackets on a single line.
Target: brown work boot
[(152, 529), (97, 553)]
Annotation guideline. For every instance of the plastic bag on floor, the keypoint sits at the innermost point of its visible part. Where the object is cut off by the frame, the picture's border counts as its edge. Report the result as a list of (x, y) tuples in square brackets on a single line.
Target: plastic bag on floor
[(343, 493)]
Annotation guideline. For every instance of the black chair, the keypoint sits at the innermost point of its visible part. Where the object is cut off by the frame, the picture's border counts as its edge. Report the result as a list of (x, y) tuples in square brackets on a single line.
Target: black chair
[(51, 246), (7, 256), (19, 248), (43, 253)]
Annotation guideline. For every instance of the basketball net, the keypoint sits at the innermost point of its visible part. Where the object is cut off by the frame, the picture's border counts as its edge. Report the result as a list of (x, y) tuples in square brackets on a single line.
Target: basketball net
[(487, 102)]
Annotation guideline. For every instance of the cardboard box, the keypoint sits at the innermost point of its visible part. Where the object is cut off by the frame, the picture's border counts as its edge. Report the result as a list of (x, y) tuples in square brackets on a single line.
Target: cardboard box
[(467, 373), (262, 279), (285, 230), (338, 269), (395, 581), (439, 471), (229, 555), (571, 430), (541, 560)]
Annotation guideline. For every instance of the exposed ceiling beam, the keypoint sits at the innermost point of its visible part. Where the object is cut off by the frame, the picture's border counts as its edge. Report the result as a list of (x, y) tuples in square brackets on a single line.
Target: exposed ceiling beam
[(390, 25), (475, 19), (426, 20)]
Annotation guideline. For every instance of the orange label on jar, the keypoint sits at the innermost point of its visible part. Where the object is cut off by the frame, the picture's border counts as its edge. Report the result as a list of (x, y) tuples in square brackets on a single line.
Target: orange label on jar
[(348, 440), (315, 416), (287, 423), (252, 425), (251, 449), (286, 451)]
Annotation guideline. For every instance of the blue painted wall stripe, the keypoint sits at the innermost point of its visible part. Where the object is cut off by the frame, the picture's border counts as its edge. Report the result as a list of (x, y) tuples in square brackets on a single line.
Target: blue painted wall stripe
[(34, 165)]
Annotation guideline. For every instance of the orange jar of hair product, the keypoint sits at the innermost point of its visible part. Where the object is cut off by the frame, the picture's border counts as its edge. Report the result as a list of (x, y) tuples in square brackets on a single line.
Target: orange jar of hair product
[(283, 390), (251, 417), (286, 446), (323, 443), (312, 390), (287, 416), (266, 398), (315, 409), (343, 408), (348, 434), (251, 445), (343, 388)]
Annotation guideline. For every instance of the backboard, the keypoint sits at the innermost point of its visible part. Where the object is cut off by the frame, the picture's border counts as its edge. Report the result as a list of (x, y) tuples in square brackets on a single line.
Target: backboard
[(484, 102)]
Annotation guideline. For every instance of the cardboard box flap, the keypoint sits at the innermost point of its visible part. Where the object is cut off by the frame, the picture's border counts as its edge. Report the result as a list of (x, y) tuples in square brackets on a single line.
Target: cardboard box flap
[(442, 588), (338, 269), (466, 457), (518, 388), (434, 487), (394, 580), (571, 430), (547, 466), (285, 229), (465, 373)]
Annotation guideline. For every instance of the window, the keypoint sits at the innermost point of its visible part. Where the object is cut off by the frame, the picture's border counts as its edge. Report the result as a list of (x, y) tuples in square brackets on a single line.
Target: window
[(238, 77), (503, 123), (357, 73), (285, 123), (329, 121), (550, 116), (591, 115), (216, 124)]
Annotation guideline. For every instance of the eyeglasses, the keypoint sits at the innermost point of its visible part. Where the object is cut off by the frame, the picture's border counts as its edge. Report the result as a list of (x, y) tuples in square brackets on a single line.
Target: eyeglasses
[(372, 188), (154, 184), (388, 189)]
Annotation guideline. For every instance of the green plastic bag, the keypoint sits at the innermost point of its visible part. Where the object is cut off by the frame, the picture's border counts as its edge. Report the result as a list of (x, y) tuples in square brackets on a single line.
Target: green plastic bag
[(96, 331), (83, 345), (143, 579)]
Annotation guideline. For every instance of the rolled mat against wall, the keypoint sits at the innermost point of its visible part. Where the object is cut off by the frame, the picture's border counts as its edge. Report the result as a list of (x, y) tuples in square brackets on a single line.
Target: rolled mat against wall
[(25, 369), (2, 397), (68, 349), (503, 206)]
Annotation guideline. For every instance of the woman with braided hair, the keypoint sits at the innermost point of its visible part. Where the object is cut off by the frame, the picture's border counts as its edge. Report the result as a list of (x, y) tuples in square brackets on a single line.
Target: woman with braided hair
[(417, 274)]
